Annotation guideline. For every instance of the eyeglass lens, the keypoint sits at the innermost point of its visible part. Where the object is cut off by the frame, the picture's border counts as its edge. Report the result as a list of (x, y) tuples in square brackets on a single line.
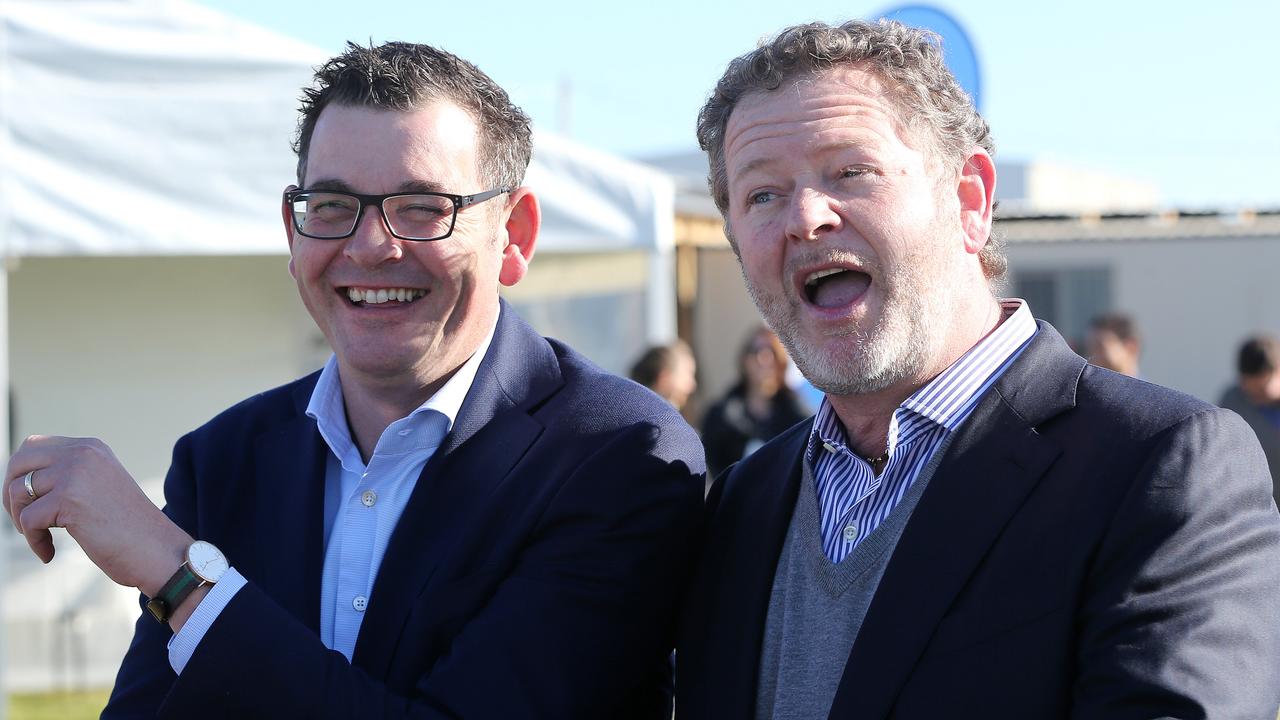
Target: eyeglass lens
[(334, 215)]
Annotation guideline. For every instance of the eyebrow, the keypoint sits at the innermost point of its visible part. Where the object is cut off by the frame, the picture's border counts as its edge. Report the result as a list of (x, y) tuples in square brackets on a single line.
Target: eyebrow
[(755, 164), (411, 186)]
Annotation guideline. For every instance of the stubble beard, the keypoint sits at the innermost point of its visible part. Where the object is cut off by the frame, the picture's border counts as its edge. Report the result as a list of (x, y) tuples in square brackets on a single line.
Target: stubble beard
[(859, 360)]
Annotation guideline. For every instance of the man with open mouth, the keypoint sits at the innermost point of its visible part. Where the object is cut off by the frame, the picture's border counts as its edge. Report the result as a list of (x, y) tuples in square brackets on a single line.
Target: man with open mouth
[(456, 517), (976, 524)]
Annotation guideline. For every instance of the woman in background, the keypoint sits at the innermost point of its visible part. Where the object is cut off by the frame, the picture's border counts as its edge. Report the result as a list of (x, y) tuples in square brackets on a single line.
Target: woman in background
[(756, 409)]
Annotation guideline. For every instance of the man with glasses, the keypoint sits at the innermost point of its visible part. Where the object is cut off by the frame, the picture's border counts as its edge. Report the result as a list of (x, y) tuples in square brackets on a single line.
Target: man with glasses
[(454, 518)]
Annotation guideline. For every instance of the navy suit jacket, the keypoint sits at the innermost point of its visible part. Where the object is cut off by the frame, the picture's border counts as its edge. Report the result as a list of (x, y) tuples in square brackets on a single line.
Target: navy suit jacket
[(1090, 546), (535, 571)]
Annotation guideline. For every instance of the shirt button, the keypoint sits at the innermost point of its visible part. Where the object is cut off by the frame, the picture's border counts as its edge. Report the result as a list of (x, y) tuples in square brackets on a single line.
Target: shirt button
[(360, 602), (850, 533), (369, 498), (402, 433)]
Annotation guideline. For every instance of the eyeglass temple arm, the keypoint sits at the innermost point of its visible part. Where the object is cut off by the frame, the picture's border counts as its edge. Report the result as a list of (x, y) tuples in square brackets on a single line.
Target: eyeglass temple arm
[(465, 200)]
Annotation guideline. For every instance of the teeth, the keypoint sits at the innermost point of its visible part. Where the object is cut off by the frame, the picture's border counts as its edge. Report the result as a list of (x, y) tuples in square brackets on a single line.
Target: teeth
[(816, 276), (377, 297)]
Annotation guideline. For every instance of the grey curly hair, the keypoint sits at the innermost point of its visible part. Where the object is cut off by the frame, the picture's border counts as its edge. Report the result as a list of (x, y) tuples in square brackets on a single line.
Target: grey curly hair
[(929, 100), (402, 76)]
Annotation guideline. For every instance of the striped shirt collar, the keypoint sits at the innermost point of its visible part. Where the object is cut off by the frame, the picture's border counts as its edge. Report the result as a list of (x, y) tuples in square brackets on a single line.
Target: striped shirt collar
[(947, 399)]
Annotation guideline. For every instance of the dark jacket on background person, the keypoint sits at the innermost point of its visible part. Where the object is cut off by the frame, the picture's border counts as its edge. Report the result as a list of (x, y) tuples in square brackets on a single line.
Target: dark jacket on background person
[(1235, 400), (729, 428)]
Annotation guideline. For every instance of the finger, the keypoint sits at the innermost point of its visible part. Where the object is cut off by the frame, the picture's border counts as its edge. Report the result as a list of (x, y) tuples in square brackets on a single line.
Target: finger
[(32, 453), (36, 453), (8, 486), (35, 521), (15, 469), (8, 483), (16, 498), (39, 451)]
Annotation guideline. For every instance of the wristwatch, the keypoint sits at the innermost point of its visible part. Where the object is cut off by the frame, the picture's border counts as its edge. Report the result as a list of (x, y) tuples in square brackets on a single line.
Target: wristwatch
[(205, 565)]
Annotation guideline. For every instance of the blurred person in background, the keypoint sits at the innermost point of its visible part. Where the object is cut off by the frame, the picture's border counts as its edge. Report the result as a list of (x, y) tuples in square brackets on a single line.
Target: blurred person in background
[(455, 517), (1113, 343), (758, 408), (669, 370), (1256, 397)]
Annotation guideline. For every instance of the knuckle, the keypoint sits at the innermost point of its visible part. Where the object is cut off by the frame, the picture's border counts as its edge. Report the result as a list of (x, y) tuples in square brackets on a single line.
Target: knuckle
[(95, 448)]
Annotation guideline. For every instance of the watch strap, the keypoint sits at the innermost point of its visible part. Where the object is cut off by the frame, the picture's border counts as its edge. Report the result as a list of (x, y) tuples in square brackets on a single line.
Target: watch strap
[(171, 595)]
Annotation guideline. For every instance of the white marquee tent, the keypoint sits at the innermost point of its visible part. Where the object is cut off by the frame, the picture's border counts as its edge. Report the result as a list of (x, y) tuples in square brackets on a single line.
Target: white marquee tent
[(134, 308)]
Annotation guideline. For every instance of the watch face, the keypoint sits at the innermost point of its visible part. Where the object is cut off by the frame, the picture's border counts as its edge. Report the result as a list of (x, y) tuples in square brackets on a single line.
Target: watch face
[(206, 561)]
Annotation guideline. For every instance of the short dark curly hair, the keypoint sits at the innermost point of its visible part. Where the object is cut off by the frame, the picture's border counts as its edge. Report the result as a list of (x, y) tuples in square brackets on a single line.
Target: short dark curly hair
[(909, 60), (403, 76)]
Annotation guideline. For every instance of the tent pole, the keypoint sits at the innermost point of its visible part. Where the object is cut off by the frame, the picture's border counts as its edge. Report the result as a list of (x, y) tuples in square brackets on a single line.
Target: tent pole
[(661, 291)]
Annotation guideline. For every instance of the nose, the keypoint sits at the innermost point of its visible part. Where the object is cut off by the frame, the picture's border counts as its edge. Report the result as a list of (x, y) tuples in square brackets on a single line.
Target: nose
[(371, 244), (811, 213)]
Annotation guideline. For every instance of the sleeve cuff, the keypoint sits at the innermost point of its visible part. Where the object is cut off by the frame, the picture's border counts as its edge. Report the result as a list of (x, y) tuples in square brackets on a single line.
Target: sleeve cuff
[(183, 643)]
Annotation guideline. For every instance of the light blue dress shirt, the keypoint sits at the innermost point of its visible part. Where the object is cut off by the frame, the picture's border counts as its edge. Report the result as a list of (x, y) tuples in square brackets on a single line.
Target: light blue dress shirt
[(362, 504)]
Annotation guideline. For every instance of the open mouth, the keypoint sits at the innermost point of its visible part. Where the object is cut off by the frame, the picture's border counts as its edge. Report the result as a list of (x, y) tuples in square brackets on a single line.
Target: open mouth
[(835, 287), (365, 296)]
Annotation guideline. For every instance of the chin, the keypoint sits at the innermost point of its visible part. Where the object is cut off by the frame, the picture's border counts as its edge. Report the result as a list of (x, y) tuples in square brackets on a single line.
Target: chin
[(861, 362)]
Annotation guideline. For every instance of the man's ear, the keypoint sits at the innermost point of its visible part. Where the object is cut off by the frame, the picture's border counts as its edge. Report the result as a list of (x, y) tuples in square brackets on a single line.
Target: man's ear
[(976, 191), (524, 218), (287, 216)]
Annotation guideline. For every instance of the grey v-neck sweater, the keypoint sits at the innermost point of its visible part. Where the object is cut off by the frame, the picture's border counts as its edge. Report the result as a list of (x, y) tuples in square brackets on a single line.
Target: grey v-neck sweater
[(816, 608)]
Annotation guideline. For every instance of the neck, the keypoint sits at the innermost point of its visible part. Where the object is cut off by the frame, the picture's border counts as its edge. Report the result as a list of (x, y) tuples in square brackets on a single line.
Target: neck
[(866, 418), (372, 404)]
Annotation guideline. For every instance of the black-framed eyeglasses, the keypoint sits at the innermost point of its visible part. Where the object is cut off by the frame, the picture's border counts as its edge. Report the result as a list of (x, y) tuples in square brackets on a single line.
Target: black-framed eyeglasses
[(423, 216)]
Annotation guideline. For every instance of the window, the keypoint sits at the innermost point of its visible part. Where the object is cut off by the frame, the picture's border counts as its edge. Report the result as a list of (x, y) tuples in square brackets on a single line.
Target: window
[(1068, 299)]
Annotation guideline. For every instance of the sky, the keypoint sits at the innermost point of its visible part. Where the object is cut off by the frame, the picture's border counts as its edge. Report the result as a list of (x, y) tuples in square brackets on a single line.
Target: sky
[(1186, 100)]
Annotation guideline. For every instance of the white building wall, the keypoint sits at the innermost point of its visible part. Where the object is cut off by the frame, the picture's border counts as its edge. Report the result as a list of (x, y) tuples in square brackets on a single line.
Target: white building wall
[(1039, 186), (1194, 300), (136, 351)]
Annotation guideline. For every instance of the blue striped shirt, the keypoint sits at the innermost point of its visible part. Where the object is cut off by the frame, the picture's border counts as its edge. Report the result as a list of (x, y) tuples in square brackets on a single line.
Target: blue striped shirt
[(852, 499)]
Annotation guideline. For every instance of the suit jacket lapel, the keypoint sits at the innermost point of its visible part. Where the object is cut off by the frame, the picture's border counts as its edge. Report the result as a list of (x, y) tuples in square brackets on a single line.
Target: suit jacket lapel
[(289, 497), (492, 431), (993, 463)]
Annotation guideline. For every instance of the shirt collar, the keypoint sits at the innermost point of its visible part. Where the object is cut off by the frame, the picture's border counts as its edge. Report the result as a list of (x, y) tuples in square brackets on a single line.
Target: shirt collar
[(947, 399), (327, 408)]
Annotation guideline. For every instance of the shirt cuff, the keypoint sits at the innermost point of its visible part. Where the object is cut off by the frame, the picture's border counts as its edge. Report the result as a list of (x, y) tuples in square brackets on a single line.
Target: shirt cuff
[(183, 643)]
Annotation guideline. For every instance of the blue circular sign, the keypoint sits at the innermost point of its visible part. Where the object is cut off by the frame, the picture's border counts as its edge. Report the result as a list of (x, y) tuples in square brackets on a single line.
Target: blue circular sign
[(957, 49)]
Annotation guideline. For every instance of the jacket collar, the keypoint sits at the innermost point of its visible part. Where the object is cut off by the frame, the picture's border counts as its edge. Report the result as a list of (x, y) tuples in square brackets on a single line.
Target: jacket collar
[(995, 460), (494, 428)]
